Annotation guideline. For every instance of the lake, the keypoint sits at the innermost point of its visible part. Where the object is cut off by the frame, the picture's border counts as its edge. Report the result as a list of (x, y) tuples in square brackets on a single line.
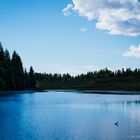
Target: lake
[(69, 116)]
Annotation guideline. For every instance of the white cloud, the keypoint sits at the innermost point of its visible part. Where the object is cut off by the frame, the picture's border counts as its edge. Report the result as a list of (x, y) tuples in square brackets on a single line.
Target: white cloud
[(83, 29), (68, 9), (119, 17), (133, 52)]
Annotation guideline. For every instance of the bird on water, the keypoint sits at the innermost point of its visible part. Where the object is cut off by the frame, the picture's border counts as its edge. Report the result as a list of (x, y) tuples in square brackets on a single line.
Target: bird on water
[(116, 123)]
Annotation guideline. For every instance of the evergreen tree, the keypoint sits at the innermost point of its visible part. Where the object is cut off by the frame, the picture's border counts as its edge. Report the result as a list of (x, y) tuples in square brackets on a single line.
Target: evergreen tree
[(12, 76), (17, 72), (26, 79), (32, 79), (8, 71), (2, 69)]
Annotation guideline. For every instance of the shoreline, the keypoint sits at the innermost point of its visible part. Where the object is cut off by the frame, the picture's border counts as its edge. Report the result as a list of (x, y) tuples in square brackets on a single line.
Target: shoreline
[(82, 91), (115, 92), (20, 91), (106, 92)]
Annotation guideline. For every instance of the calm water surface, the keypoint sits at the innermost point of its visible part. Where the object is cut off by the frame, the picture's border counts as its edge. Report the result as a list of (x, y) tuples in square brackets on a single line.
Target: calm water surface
[(69, 116)]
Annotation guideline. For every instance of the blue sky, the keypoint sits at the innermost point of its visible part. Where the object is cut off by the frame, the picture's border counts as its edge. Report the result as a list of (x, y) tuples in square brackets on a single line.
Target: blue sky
[(52, 42)]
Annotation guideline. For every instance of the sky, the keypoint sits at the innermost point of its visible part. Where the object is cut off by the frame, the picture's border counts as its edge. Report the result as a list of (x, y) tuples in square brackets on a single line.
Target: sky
[(72, 36)]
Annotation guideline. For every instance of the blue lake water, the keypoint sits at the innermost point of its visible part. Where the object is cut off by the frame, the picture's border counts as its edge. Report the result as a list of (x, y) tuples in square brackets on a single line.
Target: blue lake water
[(69, 116)]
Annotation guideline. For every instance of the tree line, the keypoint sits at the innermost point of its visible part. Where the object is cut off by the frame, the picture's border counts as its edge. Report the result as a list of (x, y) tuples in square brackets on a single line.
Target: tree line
[(104, 74), (126, 79), (12, 74), (14, 77)]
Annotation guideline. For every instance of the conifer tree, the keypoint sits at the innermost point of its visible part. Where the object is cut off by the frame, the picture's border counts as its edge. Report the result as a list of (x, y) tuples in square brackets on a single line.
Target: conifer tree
[(2, 70), (17, 72), (12, 75), (32, 79), (8, 71), (26, 79)]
